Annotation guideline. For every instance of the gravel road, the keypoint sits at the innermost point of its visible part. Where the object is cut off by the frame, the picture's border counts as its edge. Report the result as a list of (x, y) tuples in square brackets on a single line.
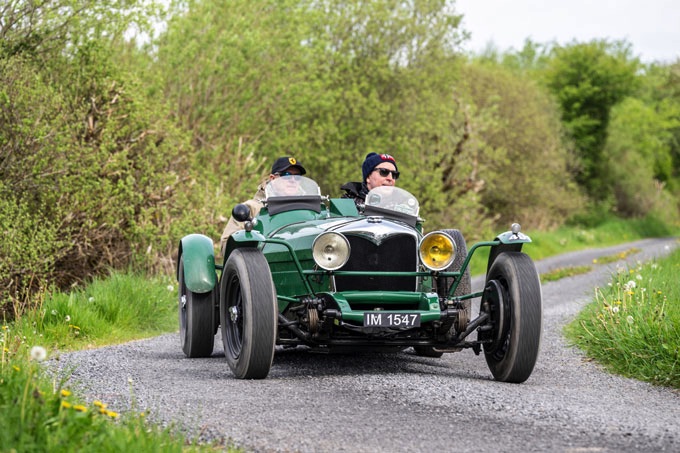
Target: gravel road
[(399, 402)]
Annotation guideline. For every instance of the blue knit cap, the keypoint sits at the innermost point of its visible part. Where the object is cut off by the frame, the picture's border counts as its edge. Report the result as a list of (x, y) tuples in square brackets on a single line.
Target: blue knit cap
[(373, 160)]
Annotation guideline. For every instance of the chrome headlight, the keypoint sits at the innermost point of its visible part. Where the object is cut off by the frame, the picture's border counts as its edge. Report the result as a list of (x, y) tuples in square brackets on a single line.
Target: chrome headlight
[(330, 250), (437, 250)]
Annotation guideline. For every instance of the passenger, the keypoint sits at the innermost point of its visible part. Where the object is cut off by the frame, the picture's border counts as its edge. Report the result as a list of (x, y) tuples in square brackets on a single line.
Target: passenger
[(283, 166), (377, 170)]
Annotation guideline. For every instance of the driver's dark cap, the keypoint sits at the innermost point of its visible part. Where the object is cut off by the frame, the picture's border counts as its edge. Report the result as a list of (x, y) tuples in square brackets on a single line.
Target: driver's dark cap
[(373, 160), (284, 163)]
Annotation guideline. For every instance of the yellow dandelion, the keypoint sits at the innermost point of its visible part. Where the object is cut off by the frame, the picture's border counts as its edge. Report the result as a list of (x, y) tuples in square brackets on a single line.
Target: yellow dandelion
[(99, 404), (594, 260), (74, 327), (5, 349), (112, 414), (16, 368), (65, 393), (66, 405), (5, 327), (80, 408)]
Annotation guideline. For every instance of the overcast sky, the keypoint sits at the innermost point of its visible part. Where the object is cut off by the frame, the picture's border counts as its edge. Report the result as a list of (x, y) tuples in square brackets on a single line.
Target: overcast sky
[(651, 26)]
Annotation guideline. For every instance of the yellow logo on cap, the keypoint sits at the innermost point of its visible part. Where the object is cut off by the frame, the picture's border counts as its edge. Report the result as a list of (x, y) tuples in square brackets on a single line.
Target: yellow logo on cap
[(292, 161)]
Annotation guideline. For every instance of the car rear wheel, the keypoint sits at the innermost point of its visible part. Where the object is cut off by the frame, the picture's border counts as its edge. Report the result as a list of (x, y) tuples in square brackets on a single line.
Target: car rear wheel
[(443, 285), (513, 299), (196, 319), (248, 314)]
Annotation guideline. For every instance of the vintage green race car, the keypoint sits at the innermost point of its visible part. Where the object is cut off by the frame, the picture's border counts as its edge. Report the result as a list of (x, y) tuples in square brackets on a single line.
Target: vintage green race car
[(314, 271)]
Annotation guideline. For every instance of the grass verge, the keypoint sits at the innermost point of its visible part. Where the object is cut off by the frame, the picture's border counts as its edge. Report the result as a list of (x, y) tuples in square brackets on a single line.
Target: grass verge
[(633, 325), (38, 413), (568, 239)]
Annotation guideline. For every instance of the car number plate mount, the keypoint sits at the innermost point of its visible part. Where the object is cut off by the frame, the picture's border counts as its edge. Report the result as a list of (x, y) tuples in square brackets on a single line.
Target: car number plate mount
[(387, 319)]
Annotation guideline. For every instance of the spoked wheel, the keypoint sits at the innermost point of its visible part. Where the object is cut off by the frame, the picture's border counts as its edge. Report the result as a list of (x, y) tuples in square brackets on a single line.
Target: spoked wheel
[(196, 319), (513, 299), (248, 314), (443, 285)]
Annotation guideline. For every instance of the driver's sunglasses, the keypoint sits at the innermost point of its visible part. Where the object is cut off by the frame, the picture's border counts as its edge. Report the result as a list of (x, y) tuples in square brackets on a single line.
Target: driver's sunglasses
[(384, 172)]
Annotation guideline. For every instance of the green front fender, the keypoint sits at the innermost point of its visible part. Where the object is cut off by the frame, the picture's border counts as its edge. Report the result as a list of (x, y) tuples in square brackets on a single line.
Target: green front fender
[(199, 263)]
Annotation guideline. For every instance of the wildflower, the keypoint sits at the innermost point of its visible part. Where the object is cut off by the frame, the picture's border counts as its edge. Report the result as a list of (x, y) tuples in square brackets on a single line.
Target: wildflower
[(99, 404), (16, 368), (54, 312), (638, 277), (90, 299), (67, 318), (171, 288), (74, 327), (655, 266), (65, 393), (630, 285), (112, 414), (80, 408), (66, 404), (630, 319), (594, 260), (5, 327), (38, 353), (615, 309)]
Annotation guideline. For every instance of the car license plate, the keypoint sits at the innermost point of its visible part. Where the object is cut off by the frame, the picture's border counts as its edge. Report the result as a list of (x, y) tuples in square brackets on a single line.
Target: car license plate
[(380, 319)]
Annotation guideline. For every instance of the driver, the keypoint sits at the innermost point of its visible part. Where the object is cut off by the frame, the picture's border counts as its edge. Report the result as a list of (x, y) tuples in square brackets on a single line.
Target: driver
[(283, 166), (377, 170)]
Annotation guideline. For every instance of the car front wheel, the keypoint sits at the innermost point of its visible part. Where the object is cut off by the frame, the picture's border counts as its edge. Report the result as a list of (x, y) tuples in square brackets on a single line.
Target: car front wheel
[(248, 314), (512, 298)]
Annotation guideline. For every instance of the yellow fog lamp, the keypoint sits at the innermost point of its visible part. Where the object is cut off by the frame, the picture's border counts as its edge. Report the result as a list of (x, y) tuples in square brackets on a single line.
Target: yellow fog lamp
[(330, 250), (437, 251)]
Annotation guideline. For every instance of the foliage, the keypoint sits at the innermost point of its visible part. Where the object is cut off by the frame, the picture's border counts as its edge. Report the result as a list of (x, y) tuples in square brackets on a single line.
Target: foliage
[(525, 168), (632, 325), (84, 154), (638, 156), (588, 79)]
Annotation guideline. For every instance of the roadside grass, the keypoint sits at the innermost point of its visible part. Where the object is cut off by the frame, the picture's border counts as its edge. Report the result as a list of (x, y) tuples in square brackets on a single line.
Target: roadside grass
[(119, 308), (545, 244), (41, 413), (563, 272), (632, 326)]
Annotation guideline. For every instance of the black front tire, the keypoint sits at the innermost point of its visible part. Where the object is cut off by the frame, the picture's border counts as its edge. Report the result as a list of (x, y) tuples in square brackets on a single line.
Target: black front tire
[(513, 295), (196, 319), (248, 314)]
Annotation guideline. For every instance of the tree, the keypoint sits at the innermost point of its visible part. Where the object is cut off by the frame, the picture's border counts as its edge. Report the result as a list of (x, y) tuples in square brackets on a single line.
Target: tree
[(588, 80), (526, 167)]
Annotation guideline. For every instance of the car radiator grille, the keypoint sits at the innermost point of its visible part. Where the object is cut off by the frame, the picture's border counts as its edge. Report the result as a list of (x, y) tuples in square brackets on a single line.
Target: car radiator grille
[(397, 253)]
